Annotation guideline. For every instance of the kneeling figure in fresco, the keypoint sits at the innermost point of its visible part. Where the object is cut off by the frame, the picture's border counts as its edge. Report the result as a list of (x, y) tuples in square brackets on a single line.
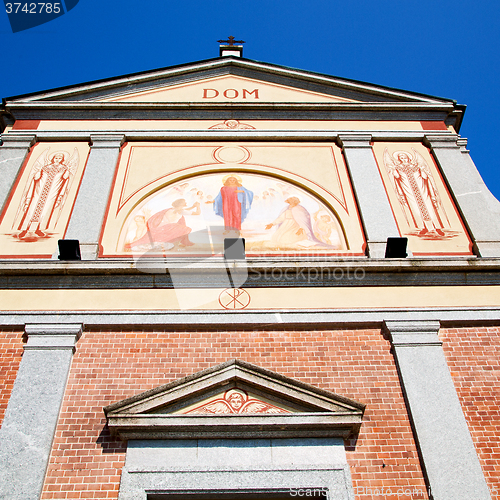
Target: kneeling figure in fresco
[(167, 229)]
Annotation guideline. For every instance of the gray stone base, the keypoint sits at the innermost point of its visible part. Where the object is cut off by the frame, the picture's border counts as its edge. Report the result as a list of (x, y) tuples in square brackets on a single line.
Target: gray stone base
[(487, 248), (89, 251)]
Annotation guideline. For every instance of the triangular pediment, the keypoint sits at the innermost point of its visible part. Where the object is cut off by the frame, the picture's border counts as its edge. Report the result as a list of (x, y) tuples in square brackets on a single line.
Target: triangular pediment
[(227, 79), (234, 399), (227, 88)]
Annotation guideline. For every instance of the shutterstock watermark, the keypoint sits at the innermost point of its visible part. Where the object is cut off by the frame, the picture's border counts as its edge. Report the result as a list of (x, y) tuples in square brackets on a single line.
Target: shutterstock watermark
[(25, 15), (309, 274), (200, 279)]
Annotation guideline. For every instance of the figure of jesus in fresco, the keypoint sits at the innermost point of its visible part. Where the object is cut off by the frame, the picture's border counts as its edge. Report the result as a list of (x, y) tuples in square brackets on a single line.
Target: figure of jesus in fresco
[(233, 202), (48, 187)]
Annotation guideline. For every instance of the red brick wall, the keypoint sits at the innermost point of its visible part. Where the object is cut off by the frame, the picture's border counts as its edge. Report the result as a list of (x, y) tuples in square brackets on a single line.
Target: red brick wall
[(473, 355), (11, 350), (107, 367)]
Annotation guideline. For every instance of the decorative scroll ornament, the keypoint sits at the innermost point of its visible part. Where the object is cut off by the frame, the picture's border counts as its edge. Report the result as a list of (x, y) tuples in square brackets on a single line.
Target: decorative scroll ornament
[(231, 125)]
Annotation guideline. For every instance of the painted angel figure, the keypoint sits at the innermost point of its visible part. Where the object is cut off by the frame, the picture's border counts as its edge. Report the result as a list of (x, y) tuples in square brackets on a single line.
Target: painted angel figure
[(237, 401), (48, 186), (416, 190)]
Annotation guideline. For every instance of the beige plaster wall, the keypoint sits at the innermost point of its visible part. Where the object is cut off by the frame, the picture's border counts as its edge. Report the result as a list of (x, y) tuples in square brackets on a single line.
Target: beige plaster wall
[(344, 125), (258, 298)]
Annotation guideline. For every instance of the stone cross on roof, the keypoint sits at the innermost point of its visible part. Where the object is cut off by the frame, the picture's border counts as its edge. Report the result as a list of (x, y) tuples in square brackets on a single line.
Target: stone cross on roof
[(230, 41)]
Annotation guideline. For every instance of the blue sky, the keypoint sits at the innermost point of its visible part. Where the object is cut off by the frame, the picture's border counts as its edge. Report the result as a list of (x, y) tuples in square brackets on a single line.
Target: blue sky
[(440, 47)]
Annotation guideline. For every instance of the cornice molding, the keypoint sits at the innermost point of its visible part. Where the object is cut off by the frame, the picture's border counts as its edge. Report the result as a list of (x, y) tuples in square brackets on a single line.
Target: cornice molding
[(227, 65), (459, 317), (225, 135)]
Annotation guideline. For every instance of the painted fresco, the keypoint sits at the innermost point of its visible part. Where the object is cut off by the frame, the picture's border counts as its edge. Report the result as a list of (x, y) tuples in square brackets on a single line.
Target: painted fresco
[(196, 214), (38, 212), (421, 203), (184, 184), (45, 194)]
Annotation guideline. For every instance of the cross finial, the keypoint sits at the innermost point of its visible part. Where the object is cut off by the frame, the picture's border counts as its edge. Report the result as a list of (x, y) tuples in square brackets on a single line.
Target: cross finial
[(230, 41)]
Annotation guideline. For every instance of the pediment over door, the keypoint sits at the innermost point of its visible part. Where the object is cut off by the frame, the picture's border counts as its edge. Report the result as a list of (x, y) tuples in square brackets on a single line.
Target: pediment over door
[(234, 400)]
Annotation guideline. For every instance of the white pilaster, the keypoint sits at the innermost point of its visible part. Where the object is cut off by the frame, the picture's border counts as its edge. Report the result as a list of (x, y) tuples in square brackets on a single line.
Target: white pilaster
[(31, 417), (373, 204), (449, 457), (90, 206), (475, 203), (13, 152)]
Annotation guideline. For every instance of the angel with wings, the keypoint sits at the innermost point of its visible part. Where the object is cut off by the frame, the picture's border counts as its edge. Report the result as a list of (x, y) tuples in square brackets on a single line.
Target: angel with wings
[(416, 190), (47, 189), (237, 401)]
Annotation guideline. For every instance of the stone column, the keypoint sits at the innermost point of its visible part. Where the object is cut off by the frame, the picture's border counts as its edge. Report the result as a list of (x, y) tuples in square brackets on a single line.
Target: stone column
[(13, 152), (479, 211), (373, 204), (90, 206), (449, 457), (33, 410)]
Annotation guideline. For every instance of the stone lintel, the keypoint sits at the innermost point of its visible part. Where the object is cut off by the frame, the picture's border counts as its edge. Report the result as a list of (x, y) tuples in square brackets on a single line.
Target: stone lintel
[(128, 427)]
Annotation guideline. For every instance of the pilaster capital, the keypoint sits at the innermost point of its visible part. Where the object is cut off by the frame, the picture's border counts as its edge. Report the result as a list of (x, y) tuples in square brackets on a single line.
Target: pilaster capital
[(413, 333), (18, 141), (106, 141), (462, 144), (52, 337), (440, 141), (355, 140)]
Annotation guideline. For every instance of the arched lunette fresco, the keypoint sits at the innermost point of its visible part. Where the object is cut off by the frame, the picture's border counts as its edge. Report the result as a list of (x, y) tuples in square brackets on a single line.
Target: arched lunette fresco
[(196, 214)]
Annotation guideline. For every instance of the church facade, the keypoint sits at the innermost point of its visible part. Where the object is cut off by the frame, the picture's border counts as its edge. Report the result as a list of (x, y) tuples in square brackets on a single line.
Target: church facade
[(237, 280)]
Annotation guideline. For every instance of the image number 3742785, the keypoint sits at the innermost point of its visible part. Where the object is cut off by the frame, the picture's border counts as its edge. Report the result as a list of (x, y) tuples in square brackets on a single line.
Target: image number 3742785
[(26, 15)]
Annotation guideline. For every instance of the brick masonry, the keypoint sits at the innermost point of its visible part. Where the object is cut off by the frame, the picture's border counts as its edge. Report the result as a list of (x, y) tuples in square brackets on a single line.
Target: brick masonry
[(473, 356), (109, 366), (11, 351)]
